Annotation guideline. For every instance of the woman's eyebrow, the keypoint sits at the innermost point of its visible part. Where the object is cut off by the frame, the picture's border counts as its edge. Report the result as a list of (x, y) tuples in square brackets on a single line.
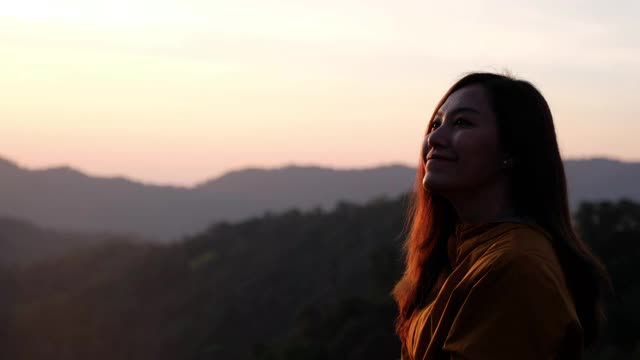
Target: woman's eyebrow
[(458, 110)]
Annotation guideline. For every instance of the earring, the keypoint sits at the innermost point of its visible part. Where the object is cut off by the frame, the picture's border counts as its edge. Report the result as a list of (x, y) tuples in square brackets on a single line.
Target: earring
[(507, 163)]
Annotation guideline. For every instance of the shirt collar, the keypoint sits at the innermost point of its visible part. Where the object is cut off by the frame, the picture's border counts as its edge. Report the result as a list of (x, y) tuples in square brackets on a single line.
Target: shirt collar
[(466, 237)]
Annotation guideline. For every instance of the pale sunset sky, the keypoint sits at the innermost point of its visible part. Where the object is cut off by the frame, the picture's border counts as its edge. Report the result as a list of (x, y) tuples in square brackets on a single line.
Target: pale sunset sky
[(180, 91)]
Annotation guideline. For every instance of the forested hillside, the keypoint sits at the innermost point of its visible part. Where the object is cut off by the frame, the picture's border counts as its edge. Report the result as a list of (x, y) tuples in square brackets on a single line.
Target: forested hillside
[(293, 285)]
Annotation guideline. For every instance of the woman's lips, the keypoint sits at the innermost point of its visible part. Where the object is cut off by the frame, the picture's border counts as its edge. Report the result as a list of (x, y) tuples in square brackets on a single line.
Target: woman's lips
[(439, 159), (437, 162)]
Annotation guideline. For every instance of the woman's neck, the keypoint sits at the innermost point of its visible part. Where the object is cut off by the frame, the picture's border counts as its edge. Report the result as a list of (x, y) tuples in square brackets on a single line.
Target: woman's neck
[(487, 204)]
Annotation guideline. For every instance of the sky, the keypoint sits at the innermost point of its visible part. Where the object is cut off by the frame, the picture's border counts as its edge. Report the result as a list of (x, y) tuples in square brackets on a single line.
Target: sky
[(176, 92)]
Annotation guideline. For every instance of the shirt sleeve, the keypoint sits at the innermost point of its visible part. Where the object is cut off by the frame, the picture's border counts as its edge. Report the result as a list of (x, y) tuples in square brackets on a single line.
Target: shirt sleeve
[(516, 310)]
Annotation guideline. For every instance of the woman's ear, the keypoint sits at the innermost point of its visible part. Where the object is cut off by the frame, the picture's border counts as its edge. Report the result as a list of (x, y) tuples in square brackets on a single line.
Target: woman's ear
[(508, 162)]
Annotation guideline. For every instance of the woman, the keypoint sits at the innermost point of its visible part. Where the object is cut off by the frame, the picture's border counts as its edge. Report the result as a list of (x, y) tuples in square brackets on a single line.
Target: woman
[(494, 268)]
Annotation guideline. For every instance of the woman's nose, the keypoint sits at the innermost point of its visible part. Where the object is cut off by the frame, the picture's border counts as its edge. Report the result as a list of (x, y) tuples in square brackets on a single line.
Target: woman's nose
[(437, 137)]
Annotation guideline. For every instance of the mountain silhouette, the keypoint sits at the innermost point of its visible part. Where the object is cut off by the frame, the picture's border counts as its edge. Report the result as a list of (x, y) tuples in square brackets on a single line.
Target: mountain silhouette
[(65, 198)]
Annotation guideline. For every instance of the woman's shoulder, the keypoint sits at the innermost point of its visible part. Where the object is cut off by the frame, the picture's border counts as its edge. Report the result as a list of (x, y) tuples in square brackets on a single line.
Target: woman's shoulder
[(514, 298), (521, 243), (520, 248), (525, 256)]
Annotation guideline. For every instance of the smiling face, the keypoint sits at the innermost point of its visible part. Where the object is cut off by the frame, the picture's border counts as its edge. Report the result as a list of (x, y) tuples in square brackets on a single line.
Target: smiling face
[(461, 148)]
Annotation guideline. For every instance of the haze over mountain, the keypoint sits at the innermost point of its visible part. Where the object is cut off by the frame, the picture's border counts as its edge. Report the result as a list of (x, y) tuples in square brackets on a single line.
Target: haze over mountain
[(66, 198), (24, 244)]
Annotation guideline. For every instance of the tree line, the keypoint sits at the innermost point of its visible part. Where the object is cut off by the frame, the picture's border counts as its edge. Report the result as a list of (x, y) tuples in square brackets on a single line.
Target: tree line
[(291, 285)]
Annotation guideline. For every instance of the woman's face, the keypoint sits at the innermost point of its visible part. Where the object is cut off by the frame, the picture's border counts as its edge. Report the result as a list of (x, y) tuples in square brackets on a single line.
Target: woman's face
[(461, 150)]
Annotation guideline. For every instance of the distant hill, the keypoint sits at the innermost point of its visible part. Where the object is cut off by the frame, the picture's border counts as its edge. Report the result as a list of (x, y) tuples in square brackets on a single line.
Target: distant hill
[(24, 244), (68, 199), (602, 179), (65, 198)]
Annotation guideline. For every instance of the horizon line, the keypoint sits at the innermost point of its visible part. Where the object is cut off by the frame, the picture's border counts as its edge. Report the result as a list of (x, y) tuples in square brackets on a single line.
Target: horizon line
[(284, 165)]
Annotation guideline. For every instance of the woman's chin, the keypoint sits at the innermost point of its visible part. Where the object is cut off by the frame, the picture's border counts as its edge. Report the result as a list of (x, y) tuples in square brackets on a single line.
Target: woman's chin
[(435, 183)]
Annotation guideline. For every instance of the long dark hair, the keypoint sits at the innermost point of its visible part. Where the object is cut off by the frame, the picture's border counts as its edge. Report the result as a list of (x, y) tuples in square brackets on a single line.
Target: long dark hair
[(539, 190)]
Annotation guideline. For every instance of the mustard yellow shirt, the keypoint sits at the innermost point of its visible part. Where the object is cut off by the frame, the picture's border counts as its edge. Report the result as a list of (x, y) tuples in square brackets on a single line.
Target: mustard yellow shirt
[(505, 298)]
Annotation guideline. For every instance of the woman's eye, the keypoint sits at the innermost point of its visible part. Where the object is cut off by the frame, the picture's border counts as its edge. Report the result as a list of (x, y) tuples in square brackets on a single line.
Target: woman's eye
[(461, 121)]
